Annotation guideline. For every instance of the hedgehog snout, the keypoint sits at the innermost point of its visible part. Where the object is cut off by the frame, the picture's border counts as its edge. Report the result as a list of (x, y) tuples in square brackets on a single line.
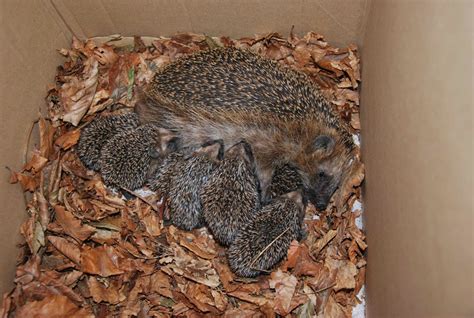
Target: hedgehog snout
[(319, 200)]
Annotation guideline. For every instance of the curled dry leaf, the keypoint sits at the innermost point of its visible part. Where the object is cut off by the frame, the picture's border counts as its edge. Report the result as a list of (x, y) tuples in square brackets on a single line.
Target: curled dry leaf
[(197, 270), (199, 245), (225, 275), (110, 292), (345, 272), (254, 299), (76, 95), (55, 306), (33, 233), (321, 243), (72, 225), (293, 255), (36, 163), (27, 182), (68, 249), (354, 179), (160, 283), (69, 139), (335, 310), (102, 260), (306, 266), (46, 132), (285, 285)]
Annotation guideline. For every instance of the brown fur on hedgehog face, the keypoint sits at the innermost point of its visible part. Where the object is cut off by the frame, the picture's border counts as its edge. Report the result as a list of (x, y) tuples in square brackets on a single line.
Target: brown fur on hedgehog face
[(324, 166), (322, 155)]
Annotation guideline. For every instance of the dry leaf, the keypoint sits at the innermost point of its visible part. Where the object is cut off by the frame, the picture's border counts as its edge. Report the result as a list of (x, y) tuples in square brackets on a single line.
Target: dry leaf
[(258, 300), (334, 310), (354, 179), (285, 285), (293, 256), (320, 244), (28, 183), (68, 249), (345, 273), (46, 132), (76, 95), (69, 139), (33, 233), (36, 163), (160, 283), (56, 306), (102, 260), (71, 225), (110, 293)]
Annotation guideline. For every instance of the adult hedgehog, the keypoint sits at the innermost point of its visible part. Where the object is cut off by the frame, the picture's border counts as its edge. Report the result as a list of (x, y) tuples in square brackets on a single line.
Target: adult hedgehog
[(232, 94)]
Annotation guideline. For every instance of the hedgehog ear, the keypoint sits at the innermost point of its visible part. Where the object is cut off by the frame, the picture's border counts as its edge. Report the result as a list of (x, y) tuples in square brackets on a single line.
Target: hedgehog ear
[(242, 149), (214, 149), (324, 143)]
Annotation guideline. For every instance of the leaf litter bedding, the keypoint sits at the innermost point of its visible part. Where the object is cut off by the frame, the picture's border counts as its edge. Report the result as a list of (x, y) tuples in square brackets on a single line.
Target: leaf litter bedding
[(89, 252)]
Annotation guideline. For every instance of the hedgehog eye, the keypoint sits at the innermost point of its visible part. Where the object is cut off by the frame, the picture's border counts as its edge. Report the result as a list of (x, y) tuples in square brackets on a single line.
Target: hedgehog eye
[(321, 174)]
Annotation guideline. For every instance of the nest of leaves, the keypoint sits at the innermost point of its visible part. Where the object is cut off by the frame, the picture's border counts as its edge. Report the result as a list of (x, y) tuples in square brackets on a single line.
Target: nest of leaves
[(90, 252)]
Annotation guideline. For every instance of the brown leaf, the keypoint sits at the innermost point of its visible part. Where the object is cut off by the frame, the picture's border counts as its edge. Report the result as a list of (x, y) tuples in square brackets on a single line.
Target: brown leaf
[(293, 255), (197, 270), (69, 139), (241, 313), (110, 293), (6, 305), (285, 285), (198, 245), (345, 272), (302, 56), (160, 283), (76, 94), (105, 55), (70, 278), (305, 265), (334, 310), (46, 131), (200, 296), (55, 306), (68, 249), (43, 209), (220, 300), (321, 243), (36, 163), (71, 225), (33, 233), (27, 182), (102, 260), (152, 224), (257, 300), (355, 121), (352, 180), (225, 274)]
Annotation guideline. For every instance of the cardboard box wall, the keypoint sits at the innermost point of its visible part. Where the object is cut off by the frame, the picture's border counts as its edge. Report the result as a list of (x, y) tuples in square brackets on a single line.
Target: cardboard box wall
[(416, 118)]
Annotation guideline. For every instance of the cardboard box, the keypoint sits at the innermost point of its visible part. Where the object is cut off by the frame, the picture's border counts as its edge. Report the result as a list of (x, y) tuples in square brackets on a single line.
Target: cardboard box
[(416, 118)]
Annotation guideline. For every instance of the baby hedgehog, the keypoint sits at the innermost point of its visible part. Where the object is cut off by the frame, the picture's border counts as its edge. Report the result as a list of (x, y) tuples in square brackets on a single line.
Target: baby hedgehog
[(231, 195), (129, 158), (95, 135), (181, 178), (285, 179), (265, 240)]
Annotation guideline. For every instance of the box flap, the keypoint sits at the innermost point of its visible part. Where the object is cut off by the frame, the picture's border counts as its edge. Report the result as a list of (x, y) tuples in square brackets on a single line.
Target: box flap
[(340, 21)]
